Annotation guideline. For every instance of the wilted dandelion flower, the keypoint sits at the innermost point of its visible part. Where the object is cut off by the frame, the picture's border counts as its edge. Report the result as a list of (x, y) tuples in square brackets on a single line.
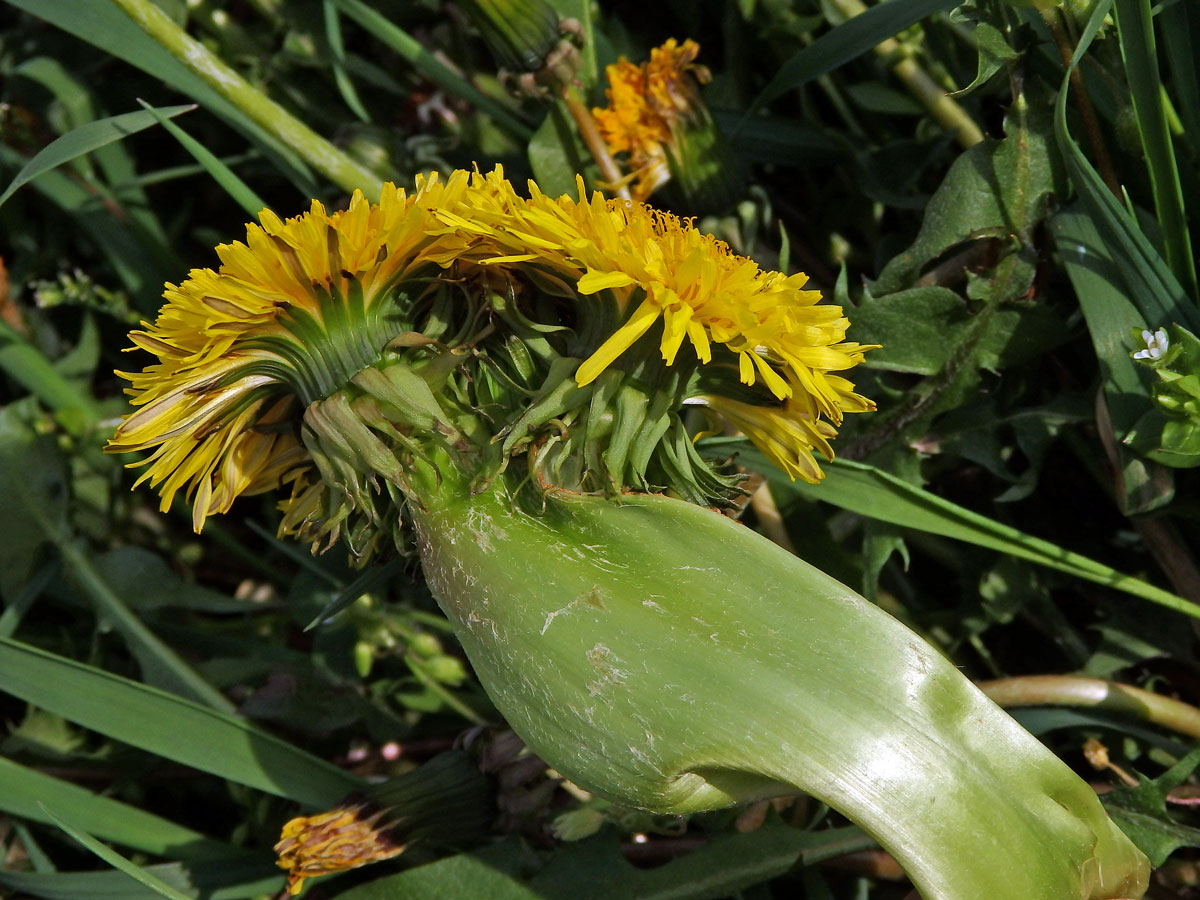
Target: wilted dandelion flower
[(657, 119)]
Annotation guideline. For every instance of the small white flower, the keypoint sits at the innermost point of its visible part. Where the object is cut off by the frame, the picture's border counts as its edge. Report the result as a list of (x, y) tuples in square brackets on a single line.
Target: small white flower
[(1156, 345)]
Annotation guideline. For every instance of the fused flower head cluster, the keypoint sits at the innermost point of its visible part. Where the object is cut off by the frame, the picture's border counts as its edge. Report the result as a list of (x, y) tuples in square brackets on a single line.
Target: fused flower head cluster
[(648, 105), (304, 304)]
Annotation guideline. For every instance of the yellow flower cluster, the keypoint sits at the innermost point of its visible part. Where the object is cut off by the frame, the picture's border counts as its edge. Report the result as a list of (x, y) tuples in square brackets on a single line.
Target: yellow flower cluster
[(646, 104), (214, 408)]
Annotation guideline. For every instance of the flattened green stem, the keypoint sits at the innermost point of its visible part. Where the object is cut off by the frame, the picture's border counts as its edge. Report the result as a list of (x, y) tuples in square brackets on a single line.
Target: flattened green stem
[(318, 152), (666, 657), (1095, 693)]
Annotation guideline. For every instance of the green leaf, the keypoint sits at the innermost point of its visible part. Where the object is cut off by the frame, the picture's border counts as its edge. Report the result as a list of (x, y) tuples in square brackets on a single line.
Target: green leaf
[(995, 190), (87, 138), (227, 879), (596, 870), (557, 153), (994, 52), (220, 173), (170, 726), (429, 65), (116, 860), (1136, 29), (23, 791), (105, 26), (872, 492), (1141, 811), (845, 42), (32, 477), (1150, 285)]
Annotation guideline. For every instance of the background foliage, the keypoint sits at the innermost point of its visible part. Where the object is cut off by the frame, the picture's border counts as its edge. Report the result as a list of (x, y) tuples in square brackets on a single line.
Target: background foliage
[(1019, 498)]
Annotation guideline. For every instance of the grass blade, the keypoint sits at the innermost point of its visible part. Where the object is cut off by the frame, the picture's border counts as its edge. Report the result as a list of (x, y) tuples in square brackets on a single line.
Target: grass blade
[(845, 42), (106, 27), (1136, 29), (23, 791), (872, 492), (87, 138), (337, 48), (1181, 39), (116, 860), (169, 726), (210, 880), (1151, 284), (433, 68), (221, 173)]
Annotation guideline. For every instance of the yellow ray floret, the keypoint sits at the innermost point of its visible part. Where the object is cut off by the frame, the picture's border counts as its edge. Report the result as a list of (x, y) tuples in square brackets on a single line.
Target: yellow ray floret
[(217, 411)]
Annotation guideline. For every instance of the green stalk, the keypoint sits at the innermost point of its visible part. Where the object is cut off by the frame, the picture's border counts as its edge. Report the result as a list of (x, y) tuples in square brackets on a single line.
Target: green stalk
[(318, 152), (662, 655)]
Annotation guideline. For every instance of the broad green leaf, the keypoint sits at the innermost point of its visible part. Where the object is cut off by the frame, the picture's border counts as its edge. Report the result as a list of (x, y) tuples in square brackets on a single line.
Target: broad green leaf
[(220, 173), (228, 879), (85, 139), (995, 190), (170, 726), (24, 790), (845, 42), (994, 52), (872, 492), (1141, 811), (1136, 30)]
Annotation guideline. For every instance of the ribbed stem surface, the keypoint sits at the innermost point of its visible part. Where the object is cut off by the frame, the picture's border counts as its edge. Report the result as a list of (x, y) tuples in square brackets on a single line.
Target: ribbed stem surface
[(665, 656)]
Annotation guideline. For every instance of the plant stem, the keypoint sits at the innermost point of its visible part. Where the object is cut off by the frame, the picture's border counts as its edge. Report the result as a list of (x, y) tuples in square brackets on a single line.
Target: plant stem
[(920, 84), (586, 124), (318, 152), (1112, 696)]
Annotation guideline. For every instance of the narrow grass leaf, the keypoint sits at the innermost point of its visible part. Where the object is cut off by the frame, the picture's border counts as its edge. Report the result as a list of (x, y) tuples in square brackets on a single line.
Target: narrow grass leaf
[(30, 368), (26, 792), (85, 139), (845, 42), (104, 25), (220, 173), (1150, 282), (337, 48), (116, 860), (432, 67), (210, 880), (170, 726), (1181, 39), (872, 492), (1136, 29)]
